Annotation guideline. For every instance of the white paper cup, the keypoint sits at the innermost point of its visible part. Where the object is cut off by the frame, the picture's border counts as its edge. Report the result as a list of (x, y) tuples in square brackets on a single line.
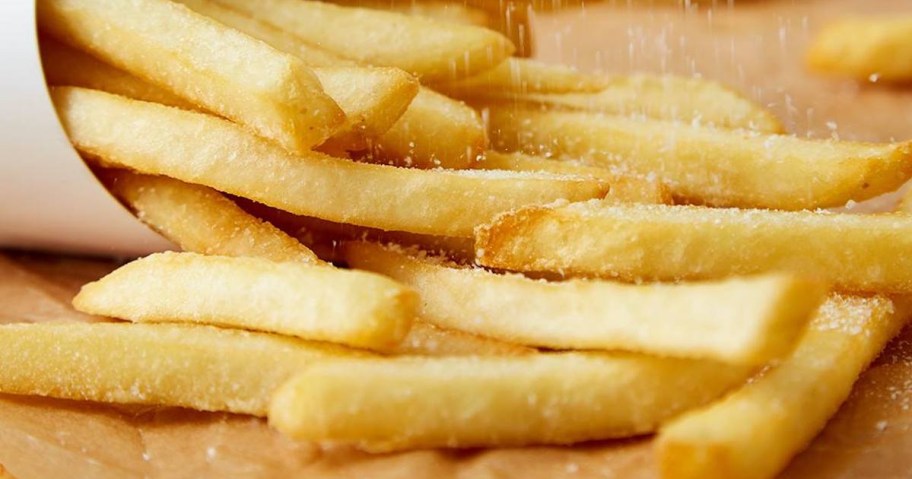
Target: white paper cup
[(49, 199)]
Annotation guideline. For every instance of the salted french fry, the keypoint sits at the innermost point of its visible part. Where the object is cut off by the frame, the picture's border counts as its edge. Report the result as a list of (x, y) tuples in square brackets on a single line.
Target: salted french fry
[(307, 301), (707, 165), (66, 66), (198, 367), (866, 48), (754, 432), (624, 189), (517, 76), (201, 149), (870, 253), (202, 220), (425, 339), (689, 100), (549, 398), (436, 10), (432, 50), (740, 320), (234, 75)]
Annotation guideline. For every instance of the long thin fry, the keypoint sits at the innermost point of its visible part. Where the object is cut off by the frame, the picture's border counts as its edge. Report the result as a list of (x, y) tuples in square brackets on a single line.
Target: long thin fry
[(516, 76), (311, 302), (743, 320), (867, 48), (668, 243), (548, 398), (425, 339), (754, 432), (216, 67), (202, 149), (437, 10), (199, 367), (712, 166), (201, 220), (430, 49), (624, 189)]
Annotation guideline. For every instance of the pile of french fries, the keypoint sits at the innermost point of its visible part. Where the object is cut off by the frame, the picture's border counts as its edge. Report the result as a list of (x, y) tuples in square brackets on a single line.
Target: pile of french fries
[(397, 235)]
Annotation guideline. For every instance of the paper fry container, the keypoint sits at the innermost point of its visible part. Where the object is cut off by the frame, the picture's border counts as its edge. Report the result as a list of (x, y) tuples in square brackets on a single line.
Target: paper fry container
[(49, 199)]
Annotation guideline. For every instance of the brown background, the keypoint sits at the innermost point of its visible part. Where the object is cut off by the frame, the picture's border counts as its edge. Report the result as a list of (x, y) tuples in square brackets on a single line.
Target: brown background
[(756, 47)]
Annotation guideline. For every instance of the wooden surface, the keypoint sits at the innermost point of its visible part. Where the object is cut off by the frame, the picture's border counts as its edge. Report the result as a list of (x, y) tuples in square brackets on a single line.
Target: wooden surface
[(756, 48)]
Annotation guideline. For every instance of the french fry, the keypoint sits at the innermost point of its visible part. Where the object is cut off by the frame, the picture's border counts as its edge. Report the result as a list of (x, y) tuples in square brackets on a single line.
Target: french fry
[(549, 398), (429, 49), (866, 48), (201, 220), (740, 320), (870, 253), (198, 367), (712, 166), (754, 432), (201, 149), (425, 339), (516, 76), (666, 97), (435, 10), (307, 301), (237, 77), (624, 189)]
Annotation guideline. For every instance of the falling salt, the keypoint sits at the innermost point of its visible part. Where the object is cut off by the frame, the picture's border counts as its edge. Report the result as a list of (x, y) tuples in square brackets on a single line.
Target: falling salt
[(881, 426), (211, 453), (572, 468), (874, 77)]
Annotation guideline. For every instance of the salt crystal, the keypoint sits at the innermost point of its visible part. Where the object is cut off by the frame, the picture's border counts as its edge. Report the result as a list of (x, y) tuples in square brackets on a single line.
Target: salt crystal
[(881, 425)]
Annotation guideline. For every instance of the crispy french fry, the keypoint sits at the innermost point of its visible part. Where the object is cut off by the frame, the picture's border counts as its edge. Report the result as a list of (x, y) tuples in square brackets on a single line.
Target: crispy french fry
[(201, 220), (202, 149), (548, 398), (872, 48), (741, 320), (425, 339), (516, 76), (66, 66), (436, 10), (624, 189), (755, 431), (232, 74), (311, 302), (430, 49), (667, 243), (199, 367), (712, 166)]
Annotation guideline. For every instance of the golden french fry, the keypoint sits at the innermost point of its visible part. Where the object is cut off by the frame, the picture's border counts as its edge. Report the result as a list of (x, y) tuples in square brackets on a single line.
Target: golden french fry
[(549, 398), (867, 48), (517, 76), (201, 220), (690, 100), (198, 367), (713, 166), (624, 189), (308, 301), (668, 243), (754, 432), (202, 149), (430, 49), (425, 339), (740, 320), (436, 10), (232, 74)]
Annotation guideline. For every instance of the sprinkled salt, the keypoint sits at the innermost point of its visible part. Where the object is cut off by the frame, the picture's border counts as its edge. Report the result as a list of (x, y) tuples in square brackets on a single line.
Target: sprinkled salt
[(881, 426)]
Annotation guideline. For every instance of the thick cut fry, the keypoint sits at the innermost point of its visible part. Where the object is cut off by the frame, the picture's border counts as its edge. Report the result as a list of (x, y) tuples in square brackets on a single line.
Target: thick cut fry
[(516, 76), (712, 166), (668, 243), (430, 49), (201, 220), (624, 189), (425, 339), (741, 320), (548, 398), (876, 48), (311, 302), (754, 432), (198, 367), (215, 67), (65, 66), (691, 100), (202, 149)]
